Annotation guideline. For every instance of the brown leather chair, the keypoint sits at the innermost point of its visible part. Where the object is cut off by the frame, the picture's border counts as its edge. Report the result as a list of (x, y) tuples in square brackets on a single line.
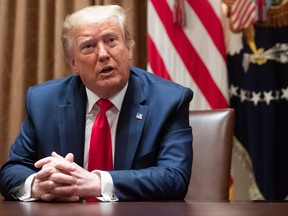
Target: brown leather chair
[(212, 149)]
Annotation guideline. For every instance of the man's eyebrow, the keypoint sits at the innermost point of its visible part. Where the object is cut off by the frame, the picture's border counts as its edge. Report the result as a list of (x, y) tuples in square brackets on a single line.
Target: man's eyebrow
[(110, 31), (85, 39)]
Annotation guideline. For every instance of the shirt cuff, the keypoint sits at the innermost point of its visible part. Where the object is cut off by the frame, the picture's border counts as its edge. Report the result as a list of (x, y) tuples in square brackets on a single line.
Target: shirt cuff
[(23, 192), (107, 187)]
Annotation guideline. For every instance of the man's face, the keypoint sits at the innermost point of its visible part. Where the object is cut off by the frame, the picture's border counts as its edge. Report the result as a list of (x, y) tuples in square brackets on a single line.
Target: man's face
[(101, 57)]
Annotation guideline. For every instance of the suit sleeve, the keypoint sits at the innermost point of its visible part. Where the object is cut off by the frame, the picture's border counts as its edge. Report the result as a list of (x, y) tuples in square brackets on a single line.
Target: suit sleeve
[(20, 164)]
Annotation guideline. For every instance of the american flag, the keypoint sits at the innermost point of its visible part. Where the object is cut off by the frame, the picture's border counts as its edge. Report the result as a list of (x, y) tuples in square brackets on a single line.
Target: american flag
[(186, 44), (243, 13), (190, 51)]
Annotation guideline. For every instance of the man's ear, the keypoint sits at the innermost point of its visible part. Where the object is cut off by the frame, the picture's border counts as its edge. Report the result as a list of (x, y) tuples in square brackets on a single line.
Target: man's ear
[(71, 62), (130, 53)]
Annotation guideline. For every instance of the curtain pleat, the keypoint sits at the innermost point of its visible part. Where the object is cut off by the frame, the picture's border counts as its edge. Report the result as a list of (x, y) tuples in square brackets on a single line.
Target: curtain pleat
[(31, 51)]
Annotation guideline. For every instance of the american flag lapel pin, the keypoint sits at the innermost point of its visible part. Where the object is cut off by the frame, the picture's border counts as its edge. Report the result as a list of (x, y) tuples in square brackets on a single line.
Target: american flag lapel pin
[(139, 116)]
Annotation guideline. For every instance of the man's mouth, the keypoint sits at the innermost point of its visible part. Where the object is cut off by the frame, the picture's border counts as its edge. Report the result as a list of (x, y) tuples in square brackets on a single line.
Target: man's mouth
[(106, 69)]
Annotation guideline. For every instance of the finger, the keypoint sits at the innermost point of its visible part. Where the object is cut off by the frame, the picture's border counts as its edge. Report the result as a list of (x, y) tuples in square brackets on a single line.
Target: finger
[(42, 162), (51, 158), (56, 162), (54, 154), (65, 166), (56, 180), (57, 175), (65, 190), (52, 189), (63, 179), (45, 172), (47, 185), (70, 157)]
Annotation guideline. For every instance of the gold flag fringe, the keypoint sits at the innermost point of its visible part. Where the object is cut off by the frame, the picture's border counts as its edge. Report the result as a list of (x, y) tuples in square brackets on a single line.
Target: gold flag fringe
[(241, 153)]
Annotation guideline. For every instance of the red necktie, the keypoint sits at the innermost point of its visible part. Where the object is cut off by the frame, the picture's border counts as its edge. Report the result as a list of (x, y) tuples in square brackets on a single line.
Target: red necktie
[(100, 152)]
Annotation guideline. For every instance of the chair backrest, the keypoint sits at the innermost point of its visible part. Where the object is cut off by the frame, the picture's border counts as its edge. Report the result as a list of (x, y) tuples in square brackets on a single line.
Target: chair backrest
[(212, 151)]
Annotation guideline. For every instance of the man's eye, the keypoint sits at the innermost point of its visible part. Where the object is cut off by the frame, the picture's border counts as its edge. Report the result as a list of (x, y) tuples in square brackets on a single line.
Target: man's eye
[(88, 48), (111, 41)]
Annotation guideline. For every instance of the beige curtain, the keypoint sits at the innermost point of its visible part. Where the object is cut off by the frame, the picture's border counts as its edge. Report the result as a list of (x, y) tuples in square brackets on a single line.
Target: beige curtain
[(31, 51)]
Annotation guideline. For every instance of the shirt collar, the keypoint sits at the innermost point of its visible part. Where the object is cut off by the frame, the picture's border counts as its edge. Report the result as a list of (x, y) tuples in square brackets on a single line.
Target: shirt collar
[(117, 99)]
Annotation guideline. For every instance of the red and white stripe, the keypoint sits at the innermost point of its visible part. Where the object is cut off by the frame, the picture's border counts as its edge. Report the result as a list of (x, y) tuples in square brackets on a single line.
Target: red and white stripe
[(193, 54), (243, 13)]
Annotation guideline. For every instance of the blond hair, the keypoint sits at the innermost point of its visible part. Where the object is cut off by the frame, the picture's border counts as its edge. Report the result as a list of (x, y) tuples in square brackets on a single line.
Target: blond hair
[(93, 15)]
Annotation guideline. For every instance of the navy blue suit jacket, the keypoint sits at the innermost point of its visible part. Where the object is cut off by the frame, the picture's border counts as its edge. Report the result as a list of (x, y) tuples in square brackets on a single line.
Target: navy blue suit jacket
[(153, 155)]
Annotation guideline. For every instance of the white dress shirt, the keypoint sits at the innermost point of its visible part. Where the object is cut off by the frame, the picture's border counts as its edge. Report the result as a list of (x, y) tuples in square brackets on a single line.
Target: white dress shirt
[(23, 192)]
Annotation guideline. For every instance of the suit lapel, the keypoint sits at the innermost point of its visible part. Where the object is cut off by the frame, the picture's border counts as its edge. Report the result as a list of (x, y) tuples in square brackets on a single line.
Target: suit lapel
[(72, 121), (130, 125)]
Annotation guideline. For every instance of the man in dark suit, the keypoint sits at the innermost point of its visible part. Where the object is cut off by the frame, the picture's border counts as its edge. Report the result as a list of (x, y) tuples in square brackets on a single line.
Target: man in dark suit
[(150, 132)]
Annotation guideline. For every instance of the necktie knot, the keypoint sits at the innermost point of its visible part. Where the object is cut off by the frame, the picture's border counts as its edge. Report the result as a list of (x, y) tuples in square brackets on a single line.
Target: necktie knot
[(104, 105)]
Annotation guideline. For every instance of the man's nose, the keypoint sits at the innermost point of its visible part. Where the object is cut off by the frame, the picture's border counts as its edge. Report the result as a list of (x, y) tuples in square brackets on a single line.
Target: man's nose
[(103, 55)]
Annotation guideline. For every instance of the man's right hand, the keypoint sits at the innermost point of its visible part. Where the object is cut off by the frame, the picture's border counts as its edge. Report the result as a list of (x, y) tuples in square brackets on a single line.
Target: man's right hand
[(54, 181)]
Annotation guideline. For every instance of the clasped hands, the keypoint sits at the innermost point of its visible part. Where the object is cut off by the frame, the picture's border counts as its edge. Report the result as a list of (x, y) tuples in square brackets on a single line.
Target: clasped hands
[(60, 179)]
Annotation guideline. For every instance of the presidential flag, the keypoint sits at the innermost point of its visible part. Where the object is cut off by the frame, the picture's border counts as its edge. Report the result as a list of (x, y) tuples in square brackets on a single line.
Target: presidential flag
[(258, 80)]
